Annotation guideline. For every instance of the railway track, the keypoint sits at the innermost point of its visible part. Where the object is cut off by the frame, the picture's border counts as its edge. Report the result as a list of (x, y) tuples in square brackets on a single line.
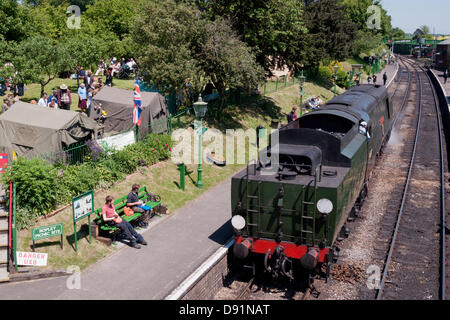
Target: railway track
[(415, 263), (412, 236)]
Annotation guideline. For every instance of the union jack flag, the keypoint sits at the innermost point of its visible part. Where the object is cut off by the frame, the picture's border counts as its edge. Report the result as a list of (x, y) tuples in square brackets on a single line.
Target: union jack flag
[(137, 109)]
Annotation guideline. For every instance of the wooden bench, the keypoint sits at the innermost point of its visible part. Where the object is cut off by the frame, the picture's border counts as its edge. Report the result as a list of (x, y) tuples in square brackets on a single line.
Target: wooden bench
[(102, 228)]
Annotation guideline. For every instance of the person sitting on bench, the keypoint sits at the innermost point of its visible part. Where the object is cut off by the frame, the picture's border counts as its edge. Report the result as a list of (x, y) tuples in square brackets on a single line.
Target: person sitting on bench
[(109, 214), (133, 201)]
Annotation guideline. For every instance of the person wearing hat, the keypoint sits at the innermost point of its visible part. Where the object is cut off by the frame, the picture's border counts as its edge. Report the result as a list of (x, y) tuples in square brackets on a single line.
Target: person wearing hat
[(64, 97)]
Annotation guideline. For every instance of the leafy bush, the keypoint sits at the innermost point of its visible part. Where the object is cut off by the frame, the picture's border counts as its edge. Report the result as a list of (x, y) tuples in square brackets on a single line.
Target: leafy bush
[(25, 218), (36, 184), (342, 79), (325, 73), (41, 186)]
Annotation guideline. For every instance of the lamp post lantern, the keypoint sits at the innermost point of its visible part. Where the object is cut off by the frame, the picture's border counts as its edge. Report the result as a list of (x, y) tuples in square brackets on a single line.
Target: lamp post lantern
[(200, 108), (336, 69), (302, 80)]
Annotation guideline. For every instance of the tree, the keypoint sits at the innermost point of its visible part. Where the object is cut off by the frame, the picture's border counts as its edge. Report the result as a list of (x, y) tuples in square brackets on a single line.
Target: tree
[(80, 51), (422, 32), (48, 20), (357, 11), (14, 20), (226, 60), (166, 33), (14, 65), (112, 16), (177, 43), (331, 33), (41, 58), (272, 28), (397, 34)]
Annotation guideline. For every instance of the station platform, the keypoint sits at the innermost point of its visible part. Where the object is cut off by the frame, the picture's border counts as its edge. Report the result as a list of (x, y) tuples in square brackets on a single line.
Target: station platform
[(177, 245), (445, 86)]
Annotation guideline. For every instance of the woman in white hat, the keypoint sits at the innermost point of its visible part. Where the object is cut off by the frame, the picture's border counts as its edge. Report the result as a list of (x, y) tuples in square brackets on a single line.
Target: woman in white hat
[(64, 97)]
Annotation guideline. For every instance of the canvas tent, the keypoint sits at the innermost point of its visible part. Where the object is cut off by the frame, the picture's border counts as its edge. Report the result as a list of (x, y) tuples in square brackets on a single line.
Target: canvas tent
[(118, 104), (32, 130)]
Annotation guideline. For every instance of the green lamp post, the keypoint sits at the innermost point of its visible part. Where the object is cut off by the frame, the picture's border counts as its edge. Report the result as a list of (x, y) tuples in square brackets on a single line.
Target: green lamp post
[(356, 70), (336, 69), (301, 80), (200, 108)]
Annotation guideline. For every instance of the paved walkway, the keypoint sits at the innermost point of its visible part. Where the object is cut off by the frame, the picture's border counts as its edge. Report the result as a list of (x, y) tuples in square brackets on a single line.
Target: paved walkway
[(391, 70), (178, 245)]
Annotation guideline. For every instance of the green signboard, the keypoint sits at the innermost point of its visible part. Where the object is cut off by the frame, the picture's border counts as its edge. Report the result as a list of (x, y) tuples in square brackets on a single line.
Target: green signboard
[(82, 207), (47, 232)]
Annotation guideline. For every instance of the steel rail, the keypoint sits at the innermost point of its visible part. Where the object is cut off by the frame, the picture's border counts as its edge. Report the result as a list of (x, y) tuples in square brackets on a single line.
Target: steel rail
[(246, 289), (405, 191), (399, 79), (443, 220), (405, 97)]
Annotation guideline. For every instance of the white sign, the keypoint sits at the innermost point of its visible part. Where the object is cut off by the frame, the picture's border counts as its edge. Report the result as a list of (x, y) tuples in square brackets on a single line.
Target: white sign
[(83, 206), (118, 141), (35, 259)]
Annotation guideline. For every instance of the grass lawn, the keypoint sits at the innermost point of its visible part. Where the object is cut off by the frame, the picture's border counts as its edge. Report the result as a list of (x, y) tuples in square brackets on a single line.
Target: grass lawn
[(163, 178)]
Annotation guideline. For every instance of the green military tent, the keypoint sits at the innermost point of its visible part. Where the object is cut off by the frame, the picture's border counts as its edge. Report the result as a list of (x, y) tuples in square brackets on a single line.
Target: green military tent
[(118, 105), (31, 130)]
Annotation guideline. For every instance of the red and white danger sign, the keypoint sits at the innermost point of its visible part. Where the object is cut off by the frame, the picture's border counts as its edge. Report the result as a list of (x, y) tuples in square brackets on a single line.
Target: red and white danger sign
[(36, 259)]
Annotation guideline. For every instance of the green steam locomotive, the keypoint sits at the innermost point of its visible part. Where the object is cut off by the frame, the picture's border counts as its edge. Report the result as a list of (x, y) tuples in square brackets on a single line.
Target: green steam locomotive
[(290, 207)]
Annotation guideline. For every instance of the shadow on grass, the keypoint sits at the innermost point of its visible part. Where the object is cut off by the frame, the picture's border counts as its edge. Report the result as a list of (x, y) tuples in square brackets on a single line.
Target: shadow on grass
[(46, 244), (252, 106), (82, 233)]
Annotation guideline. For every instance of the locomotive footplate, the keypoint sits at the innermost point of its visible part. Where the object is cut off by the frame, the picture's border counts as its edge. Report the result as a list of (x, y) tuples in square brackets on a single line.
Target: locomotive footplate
[(290, 250)]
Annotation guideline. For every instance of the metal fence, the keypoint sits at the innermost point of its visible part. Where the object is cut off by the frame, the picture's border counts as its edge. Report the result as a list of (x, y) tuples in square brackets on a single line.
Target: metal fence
[(73, 154), (83, 151), (279, 83)]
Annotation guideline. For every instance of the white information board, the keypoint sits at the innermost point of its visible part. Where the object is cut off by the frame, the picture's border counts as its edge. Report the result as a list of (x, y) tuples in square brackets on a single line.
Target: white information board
[(118, 141)]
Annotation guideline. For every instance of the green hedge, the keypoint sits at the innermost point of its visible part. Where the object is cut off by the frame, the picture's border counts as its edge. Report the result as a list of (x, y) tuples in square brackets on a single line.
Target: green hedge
[(41, 187)]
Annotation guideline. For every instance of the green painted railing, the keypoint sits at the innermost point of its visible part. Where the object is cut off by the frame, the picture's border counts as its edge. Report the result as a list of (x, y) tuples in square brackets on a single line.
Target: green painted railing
[(278, 84)]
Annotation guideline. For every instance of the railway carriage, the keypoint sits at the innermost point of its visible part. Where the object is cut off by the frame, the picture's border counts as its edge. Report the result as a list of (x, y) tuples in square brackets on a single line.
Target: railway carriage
[(288, 219)]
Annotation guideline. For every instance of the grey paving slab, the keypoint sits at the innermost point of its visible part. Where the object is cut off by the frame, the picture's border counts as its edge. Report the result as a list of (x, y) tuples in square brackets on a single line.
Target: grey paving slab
[(177, 246)]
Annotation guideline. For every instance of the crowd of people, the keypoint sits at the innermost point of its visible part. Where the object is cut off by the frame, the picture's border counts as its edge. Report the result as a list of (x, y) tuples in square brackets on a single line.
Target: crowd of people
[(90, 85)]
